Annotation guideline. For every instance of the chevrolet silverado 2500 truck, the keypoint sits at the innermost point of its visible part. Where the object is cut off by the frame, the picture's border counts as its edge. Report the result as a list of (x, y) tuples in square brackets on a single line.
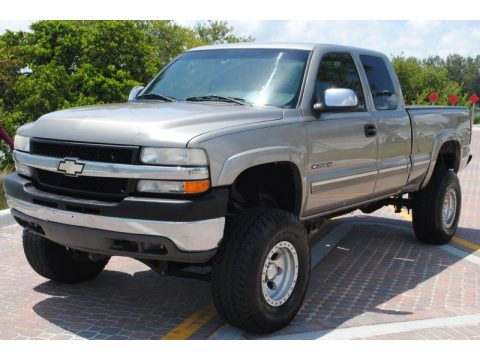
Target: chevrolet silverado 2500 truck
[(226, 160)]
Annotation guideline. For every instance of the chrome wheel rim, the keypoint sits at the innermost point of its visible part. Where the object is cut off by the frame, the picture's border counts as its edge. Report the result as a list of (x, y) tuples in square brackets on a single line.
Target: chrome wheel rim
[(279, 274), (449, 208)]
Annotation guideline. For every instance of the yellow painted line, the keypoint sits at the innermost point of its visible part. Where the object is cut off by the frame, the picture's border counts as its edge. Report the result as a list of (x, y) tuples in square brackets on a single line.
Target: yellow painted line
[(455, 239), (466, 243), (191, 325)]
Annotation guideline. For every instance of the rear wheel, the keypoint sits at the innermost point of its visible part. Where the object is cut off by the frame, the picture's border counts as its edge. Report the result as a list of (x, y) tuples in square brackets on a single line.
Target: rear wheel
[(436, 209), (58, 263), (260, 274)]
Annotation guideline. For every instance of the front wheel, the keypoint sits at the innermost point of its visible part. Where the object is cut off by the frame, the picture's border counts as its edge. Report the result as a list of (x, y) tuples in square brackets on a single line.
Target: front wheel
[(58, 263), (436, 209), (260, 274)]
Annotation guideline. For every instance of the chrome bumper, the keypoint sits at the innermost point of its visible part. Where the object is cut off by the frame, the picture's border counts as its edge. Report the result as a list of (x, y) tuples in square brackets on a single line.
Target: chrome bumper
[(193, 236)]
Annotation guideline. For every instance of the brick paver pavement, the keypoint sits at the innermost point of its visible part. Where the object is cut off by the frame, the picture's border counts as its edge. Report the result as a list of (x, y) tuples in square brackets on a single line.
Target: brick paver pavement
[(127, 300), (381, 274)]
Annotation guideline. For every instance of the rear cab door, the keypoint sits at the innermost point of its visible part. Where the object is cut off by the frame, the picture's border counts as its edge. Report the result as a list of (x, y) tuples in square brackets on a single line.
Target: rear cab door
[(394, 134)]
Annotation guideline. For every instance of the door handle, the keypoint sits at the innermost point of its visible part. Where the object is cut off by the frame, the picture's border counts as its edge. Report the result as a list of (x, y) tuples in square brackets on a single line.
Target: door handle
[(370, 130)]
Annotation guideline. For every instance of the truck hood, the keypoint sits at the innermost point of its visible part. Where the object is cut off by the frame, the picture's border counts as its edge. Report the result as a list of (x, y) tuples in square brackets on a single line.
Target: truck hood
[(145, 123)]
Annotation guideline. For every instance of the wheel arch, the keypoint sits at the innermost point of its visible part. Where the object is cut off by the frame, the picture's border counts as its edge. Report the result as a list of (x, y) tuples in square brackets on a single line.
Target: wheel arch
[(446, 153), (237, 166)]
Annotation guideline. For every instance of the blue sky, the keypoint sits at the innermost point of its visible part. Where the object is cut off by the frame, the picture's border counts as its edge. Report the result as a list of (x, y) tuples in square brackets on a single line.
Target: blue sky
[(412, 38)]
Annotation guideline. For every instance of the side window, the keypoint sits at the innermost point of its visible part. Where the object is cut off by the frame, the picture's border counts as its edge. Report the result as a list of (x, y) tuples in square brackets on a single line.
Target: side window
[(337, 70), (381, 84)]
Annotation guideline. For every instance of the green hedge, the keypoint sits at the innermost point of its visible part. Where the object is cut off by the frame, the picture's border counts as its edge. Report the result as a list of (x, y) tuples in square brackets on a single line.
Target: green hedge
[(3, 201)]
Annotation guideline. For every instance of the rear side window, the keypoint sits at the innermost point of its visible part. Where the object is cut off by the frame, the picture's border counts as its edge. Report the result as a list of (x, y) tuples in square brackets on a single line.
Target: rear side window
[(337, 70), (380, 82)]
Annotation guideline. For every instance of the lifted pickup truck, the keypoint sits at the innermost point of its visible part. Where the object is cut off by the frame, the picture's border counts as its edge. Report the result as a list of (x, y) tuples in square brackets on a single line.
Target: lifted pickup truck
[(226, 160)]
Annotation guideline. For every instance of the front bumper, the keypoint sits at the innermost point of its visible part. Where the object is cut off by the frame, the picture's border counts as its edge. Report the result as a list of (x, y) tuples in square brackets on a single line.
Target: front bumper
[(167, 229)]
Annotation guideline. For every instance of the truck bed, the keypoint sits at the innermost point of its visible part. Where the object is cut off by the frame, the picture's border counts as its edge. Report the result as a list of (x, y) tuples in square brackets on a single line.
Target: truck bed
[(431, 123)]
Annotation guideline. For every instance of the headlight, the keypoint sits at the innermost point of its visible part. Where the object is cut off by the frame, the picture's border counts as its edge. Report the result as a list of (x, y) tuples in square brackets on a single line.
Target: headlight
[(173, 187), (173, 156), (22, 143)]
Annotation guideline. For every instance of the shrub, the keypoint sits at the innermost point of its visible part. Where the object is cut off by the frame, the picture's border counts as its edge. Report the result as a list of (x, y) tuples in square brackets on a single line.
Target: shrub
[(477, 119), (3, 173)]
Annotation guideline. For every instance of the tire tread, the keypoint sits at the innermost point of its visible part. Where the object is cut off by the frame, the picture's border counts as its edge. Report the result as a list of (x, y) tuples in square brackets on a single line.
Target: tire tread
[(230, 277), (424, 205), (53, 262)]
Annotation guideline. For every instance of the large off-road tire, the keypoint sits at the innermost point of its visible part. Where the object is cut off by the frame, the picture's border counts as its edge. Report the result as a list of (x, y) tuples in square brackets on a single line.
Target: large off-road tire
[(436, 208), (260, 274), (57, 263)]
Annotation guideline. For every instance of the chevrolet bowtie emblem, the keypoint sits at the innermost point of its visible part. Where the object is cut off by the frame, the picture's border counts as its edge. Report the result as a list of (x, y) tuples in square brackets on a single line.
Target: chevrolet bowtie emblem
[(70, 167)]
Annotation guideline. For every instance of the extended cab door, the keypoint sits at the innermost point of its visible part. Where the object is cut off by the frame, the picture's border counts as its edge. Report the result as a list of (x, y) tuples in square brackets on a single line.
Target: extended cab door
[(342, 146), (393, 125)]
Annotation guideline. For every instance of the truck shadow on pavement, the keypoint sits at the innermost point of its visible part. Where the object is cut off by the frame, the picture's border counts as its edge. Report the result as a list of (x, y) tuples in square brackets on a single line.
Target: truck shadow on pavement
[(117, 305), (377, 273)]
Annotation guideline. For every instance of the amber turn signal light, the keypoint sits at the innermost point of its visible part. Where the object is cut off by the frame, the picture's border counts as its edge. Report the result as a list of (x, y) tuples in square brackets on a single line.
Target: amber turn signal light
[(193, 187)]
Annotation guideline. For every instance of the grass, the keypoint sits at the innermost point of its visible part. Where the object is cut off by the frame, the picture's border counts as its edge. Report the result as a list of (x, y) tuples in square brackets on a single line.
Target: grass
[(3, 201)]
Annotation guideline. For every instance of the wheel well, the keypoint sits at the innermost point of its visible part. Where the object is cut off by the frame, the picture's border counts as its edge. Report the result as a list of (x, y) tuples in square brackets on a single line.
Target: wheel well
[(275, 185), (449, 156)]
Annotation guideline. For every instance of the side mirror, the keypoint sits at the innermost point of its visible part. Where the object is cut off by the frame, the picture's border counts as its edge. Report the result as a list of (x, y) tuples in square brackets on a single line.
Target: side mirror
[(337, 100), (134, 92)]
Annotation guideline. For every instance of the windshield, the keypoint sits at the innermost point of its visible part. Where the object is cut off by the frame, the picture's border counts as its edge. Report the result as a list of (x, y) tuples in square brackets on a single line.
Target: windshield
[(256, 76)]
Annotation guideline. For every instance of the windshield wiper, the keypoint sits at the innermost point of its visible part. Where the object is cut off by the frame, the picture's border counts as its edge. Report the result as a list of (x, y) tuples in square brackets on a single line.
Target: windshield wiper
[(154, 96), (228, 99)]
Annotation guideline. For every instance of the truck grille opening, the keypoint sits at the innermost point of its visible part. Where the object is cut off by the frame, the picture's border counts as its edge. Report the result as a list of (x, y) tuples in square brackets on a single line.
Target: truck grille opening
[(85, 186), (133, 246), (93, 152)]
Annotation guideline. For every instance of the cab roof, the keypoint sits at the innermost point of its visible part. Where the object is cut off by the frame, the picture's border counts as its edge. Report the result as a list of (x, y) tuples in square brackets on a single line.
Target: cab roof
[(288, 45)]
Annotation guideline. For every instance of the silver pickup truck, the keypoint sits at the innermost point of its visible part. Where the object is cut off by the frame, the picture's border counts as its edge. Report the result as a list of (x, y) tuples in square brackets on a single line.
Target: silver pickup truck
[(226, 160)]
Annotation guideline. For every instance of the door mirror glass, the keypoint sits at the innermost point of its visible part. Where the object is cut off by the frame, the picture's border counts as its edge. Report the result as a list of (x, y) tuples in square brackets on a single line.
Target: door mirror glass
[(134, 92)]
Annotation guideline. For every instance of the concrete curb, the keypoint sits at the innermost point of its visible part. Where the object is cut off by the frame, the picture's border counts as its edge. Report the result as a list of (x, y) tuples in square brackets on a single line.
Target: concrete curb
[(366, 331), (6, 218)]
